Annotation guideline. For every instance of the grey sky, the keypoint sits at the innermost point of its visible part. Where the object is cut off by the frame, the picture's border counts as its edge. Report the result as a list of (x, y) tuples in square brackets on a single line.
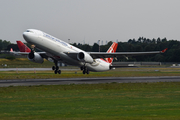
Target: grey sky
[(91, 20)]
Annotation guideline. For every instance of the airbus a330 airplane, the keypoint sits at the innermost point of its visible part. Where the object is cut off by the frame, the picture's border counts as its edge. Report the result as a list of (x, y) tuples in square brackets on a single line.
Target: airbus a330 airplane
[(57, 50)]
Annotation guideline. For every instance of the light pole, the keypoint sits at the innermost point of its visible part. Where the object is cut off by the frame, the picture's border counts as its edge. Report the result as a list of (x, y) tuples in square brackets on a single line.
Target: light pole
[(99, 44)]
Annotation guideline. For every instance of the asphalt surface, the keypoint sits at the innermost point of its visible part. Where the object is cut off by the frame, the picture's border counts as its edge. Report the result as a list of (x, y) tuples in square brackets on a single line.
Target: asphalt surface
[(62, 81)]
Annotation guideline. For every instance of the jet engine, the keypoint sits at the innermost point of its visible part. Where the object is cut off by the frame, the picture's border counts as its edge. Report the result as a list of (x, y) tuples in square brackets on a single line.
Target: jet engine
[(84, 57), (35, 57)]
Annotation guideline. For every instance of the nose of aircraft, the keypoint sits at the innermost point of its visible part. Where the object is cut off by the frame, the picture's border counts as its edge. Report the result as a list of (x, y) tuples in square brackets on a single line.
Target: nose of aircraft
[(24, 35), (31, 35), (28, 37)]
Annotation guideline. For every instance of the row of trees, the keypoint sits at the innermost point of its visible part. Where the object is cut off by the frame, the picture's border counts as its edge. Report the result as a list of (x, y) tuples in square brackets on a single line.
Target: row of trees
[(132, 45), (142, 45), (4, 44)]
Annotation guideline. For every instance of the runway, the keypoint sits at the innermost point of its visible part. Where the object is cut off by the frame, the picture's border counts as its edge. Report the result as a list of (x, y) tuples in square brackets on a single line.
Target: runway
[(63, 81)]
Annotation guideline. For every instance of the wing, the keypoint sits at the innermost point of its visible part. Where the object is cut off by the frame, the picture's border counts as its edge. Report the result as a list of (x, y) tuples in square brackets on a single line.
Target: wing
[(42, 54), (95, 55)]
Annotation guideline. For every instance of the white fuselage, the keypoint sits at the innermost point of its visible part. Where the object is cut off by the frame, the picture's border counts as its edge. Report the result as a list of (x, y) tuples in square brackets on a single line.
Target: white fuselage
[(57, 49)]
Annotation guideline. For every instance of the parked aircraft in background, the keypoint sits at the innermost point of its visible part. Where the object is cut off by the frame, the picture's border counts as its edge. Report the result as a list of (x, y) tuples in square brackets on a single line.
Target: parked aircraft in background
[(22, 47), (24, 50), (57, 50)]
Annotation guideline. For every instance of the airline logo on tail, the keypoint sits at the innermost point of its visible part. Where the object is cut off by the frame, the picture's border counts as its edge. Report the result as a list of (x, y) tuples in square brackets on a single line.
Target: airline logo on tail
[(112, 49), (23, 47)]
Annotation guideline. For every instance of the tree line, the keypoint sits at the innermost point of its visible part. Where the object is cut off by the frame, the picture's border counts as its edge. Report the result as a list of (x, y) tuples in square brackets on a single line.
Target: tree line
[(4, 44), (141, 44)]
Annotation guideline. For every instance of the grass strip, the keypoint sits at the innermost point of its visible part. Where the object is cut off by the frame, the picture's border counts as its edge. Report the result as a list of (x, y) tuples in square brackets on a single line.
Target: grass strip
[(120, 72), (92, 101)]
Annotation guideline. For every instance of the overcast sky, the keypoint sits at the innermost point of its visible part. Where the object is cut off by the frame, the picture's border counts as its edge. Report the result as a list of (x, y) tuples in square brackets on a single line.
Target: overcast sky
[(91, 20)]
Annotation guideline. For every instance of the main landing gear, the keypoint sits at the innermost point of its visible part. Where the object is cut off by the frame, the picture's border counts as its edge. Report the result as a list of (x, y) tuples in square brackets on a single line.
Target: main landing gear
[(85, 70), (56, 68)]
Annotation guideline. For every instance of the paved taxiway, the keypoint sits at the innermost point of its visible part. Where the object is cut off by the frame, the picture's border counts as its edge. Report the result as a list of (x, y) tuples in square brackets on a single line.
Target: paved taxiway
[(61, 81)]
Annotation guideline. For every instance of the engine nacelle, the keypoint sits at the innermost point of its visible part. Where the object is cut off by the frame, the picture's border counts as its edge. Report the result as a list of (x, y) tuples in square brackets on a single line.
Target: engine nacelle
[(35, 57), (84, 57)]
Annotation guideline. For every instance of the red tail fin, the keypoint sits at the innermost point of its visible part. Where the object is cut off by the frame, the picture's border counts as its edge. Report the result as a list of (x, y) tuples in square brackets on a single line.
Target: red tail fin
[(112, 49), (22, 47)]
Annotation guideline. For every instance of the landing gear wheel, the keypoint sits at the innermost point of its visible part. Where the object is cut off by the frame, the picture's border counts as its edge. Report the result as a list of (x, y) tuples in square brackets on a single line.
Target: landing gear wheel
[(82, 68), (85, 70), (53, 67), (57, 68), (59, 71), (55, 71)]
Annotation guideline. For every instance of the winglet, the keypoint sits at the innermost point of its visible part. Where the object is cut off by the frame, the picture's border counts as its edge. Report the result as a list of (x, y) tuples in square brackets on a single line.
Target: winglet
[(163, 51)]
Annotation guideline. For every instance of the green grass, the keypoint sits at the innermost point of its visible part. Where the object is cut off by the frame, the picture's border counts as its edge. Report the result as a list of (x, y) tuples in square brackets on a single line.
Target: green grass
[(120, 72), (112, 101), (92, 101), (23, 63)]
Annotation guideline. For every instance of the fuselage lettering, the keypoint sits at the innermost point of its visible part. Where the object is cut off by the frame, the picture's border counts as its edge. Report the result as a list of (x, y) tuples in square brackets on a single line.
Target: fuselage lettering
[(54, 39)]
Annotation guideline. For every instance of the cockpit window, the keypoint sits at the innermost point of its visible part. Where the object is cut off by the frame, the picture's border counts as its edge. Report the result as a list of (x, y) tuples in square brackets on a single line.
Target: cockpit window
[(37, 32), (29, 31)]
